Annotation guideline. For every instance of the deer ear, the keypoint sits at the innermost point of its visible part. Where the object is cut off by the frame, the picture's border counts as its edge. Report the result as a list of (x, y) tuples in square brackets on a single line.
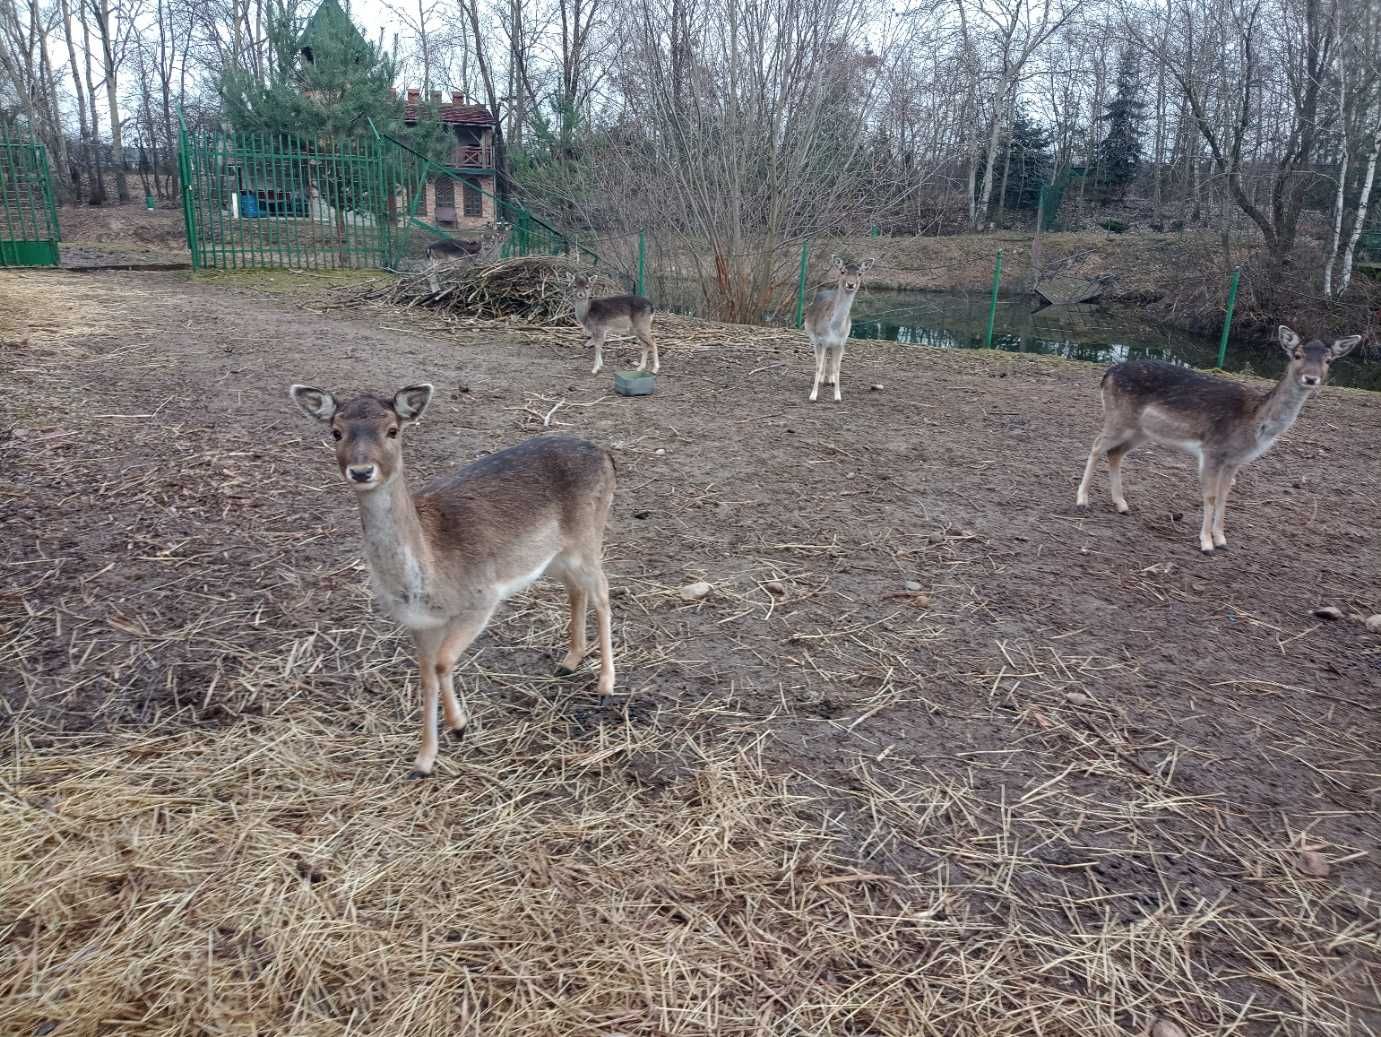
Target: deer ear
[(1289, 341), (863, 267), (1343, 346), (837, 264), (410, 401), (315, 403)]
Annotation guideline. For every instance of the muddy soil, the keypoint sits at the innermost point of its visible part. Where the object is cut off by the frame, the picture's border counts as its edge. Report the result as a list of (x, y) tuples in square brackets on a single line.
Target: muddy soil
[(898, 579)]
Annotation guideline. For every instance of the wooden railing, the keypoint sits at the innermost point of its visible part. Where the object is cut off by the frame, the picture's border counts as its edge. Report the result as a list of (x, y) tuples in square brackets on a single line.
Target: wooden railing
[(472, 156)]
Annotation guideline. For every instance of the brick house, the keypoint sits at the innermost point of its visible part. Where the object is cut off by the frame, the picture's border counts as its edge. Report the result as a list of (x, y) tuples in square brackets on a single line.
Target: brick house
[(464, 201)]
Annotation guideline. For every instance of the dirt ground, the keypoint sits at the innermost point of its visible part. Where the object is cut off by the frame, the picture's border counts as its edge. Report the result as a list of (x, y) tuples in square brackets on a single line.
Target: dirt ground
[(1110, 779)]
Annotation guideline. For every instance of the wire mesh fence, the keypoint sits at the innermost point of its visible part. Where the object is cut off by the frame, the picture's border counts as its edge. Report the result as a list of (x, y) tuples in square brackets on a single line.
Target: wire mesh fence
[(29, 232)]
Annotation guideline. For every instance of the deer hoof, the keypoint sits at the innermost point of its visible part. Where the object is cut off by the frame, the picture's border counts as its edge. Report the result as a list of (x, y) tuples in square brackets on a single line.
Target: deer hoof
[(458, 733), (562, 670), (416, 775)]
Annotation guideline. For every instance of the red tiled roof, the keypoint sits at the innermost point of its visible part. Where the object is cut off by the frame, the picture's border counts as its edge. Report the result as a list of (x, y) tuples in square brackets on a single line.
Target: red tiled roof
[(452, 114)]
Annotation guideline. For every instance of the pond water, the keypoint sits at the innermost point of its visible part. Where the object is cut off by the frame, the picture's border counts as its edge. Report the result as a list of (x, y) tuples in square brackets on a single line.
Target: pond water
[(1101, 334), (1092, 332)]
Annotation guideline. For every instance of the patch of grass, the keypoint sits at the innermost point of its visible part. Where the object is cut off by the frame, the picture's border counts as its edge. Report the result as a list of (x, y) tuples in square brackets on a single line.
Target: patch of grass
[(286, 282)]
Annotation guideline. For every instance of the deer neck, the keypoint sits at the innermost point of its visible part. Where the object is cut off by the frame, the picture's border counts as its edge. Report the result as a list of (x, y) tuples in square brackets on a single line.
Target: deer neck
[(843, 303), (1280, 407), (582, 309), (394, 544)]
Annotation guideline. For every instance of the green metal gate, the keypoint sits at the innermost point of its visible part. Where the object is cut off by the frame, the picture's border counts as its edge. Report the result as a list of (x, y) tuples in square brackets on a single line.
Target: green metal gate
[(277, 200), (28, 218)]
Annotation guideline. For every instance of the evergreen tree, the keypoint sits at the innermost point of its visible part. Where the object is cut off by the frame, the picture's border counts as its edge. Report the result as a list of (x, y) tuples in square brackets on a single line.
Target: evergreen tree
[(1027, 163), (325, 82), (1118, 157)]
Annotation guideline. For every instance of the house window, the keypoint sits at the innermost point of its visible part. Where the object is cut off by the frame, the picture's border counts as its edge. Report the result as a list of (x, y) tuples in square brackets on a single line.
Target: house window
[(474, 201)]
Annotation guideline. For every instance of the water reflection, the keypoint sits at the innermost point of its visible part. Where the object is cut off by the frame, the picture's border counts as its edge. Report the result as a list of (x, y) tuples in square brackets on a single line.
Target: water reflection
[(1097, 334), (1093, 333)]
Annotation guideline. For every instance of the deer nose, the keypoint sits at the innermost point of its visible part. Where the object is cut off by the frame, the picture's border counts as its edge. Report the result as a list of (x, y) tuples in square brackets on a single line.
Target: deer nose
[(361, 473), (1310, 379)]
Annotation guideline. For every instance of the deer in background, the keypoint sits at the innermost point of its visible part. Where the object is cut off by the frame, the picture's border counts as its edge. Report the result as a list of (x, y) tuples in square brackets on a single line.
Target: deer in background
[(828, 324), (1222, 424), (442, 561), (621, 313)]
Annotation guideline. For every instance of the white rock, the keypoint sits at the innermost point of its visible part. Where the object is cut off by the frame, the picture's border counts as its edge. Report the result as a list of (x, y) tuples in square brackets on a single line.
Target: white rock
[(1373, 623), (1328, 612), (694, 591)]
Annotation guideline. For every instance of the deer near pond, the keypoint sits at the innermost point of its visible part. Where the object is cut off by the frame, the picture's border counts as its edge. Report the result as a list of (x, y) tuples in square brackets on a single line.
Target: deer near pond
[(1222, 424), (620, 313), (443, 559), (828, 324)]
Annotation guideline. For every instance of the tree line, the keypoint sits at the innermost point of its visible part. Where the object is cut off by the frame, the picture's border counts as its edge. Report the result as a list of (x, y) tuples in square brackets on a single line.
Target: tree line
[(750, 125)]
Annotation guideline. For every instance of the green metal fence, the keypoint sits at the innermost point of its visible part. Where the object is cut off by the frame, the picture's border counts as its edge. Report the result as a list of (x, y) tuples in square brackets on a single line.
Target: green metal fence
[(277, 200), (29, 232)]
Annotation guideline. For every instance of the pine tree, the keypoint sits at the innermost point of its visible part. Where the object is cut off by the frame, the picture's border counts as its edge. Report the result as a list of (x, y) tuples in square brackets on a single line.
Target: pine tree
[(324, 80), (1118, 157), (1028, 147)]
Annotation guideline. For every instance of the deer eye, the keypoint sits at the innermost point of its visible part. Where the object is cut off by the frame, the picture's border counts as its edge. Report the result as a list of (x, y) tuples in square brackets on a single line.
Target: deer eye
[(335, 433), (393, 432)]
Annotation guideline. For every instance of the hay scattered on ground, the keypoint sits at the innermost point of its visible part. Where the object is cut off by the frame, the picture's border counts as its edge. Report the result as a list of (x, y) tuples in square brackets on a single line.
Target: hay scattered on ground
[(621, 878)]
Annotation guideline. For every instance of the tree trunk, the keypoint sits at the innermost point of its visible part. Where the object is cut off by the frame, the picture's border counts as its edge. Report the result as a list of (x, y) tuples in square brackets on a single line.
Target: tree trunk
[(1345, 275)]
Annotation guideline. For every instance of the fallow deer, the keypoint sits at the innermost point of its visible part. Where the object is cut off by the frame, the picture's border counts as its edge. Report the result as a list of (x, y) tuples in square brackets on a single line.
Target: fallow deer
[(442, 561), (828, 324), (1222, 424), (450, 249), (621, 313)]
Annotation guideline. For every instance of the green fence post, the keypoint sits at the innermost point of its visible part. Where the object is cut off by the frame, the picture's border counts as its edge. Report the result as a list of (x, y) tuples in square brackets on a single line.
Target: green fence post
[(642, 262), (1227, 320), (992, 306), (184, 176), (801, 285)]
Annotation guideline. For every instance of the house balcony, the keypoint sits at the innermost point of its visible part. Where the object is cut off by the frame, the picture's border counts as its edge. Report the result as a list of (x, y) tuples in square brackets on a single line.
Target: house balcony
[(472, 156)]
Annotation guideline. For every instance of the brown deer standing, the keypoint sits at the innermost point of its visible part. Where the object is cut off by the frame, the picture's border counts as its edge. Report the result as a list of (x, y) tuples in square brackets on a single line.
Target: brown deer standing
[(1222, 424), (621, 313), (828, 324), (442, 561)]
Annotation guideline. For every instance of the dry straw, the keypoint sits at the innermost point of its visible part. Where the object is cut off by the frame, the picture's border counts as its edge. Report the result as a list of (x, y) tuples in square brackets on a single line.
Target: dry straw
[(570, 873)]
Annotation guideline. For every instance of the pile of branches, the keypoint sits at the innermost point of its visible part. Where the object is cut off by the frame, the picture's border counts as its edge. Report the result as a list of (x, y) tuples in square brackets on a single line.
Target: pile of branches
[(532, 289)]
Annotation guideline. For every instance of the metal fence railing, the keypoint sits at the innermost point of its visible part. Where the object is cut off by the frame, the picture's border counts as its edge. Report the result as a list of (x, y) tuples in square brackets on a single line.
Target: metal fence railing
[(29, 232), (275, 200)]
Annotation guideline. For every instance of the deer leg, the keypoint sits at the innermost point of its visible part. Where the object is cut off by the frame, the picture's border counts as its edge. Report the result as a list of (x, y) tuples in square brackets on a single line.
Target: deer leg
[(644, 334), (597, 586), (821, 354), (838, 360), (1081, 497), (438, 653), (598, 339), (1225, 483), (427, 642), (1115, 456), (579, 599), (1209, 484)]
